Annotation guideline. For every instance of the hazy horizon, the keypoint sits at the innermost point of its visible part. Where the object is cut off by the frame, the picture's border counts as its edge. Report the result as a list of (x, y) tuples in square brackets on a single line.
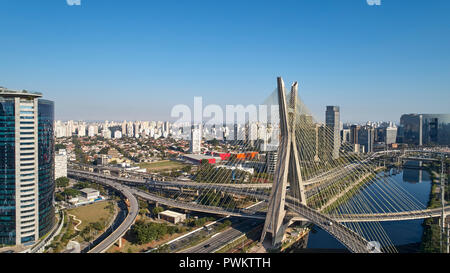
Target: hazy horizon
[(135, 60)]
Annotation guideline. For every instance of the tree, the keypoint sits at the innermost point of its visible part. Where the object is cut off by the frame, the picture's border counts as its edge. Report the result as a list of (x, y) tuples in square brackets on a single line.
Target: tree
[(97, 226), (143, 204), (60, 147), (157, 210), (62, 182), (143, 211), (71, 193), (59, 197), (214, 142), (104, 150), (204, 162), (186, 169), (147, 232)]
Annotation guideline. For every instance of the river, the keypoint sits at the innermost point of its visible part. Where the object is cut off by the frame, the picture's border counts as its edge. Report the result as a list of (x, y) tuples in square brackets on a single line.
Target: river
[(405, 235)]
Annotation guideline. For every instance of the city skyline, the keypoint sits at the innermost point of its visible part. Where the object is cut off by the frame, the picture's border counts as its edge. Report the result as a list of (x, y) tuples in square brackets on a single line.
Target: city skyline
[(392, 57)]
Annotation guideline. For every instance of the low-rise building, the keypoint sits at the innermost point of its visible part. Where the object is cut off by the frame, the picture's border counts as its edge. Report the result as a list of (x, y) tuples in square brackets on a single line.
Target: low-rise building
[(197, 159), (90, 194), (172, 216), (103, 160)]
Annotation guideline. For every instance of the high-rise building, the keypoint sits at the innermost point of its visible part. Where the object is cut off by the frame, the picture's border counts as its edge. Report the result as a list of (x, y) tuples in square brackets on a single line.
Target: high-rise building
[(237, 136), (252, 133), (345, 135), (391, 135), (271, 161), (82, 130), (117, 134), (196, 139), (333, 124), (130, 129), (106, 133), (124, 128), (92, 130), (354, 132), (26, 167), (61, 164), (366, 138)]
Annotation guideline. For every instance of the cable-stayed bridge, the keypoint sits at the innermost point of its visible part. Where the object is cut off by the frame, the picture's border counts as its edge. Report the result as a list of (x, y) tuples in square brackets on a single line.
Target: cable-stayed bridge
[(375, 217), (315, 179)]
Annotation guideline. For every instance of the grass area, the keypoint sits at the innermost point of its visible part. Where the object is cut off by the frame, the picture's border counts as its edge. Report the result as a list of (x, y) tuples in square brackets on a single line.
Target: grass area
[(67, 233), (128, 245), (130, 241), (92, 213), (162, 165)]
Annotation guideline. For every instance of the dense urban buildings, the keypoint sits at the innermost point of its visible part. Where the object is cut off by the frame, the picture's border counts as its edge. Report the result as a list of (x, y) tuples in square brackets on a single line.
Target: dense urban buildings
[(26, 167)]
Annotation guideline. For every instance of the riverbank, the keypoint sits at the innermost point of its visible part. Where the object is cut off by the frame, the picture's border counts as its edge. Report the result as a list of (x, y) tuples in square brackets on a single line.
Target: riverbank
[(431, 229)]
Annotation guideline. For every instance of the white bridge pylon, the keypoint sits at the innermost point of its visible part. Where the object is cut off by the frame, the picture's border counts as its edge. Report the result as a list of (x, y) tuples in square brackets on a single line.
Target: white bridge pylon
[(287, 168)]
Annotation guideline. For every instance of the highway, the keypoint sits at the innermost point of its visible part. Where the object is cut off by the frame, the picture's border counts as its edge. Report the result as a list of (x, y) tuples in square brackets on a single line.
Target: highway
[(129, 220), (249, 213), (239, 227)]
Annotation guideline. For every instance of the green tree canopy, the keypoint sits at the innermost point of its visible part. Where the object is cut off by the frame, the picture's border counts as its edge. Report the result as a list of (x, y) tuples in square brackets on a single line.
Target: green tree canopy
[(62, 182)]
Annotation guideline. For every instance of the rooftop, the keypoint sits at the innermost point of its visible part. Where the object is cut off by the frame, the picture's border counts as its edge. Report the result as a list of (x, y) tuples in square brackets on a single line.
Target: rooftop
[(200, 156), (89, 190), (13, 93), (171, 213)]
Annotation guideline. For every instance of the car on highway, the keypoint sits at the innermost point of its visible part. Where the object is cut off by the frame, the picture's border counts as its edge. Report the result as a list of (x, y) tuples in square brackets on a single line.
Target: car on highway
[(206, 246), (207, 228)]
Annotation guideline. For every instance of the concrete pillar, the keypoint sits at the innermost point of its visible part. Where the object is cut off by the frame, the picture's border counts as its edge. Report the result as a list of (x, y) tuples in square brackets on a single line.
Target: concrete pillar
[(448, 236), (119, 242)]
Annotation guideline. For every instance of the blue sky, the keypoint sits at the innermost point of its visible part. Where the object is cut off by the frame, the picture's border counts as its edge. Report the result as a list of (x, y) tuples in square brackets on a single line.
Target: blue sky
[(136, 59)]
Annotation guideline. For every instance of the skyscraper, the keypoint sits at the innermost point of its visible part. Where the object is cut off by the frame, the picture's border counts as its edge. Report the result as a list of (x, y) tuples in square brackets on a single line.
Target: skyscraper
[(26, 167), (333, 124), (354, 132)]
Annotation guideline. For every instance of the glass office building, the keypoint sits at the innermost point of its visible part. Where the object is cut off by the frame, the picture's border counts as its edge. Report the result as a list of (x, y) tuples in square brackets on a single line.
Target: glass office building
[(425, 129), (26, 167)]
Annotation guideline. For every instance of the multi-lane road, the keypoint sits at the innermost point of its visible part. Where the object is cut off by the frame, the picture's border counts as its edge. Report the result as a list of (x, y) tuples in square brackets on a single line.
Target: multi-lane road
[(239, 227)]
